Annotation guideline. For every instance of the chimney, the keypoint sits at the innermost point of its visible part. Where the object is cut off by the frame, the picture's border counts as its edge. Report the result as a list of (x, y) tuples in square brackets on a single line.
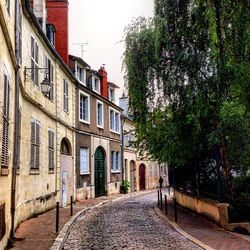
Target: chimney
[(104, 81), (57, 14)]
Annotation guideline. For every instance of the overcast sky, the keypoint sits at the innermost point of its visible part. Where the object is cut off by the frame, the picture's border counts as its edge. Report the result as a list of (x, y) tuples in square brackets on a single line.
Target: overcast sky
[(101, 23)]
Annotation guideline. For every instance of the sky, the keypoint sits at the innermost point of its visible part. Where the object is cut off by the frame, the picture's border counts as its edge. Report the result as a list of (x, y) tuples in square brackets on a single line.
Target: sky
[(101, 24)]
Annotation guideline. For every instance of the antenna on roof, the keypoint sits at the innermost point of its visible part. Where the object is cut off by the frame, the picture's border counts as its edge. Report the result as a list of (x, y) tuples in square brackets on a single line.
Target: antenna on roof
[(82, 44)]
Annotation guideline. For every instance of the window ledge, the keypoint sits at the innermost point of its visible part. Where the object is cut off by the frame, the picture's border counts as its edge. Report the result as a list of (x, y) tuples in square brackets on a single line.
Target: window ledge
[(115, 171), (34, 171), (115, 132), (100, 127), (51, 171), (83, 121), (85, 173)]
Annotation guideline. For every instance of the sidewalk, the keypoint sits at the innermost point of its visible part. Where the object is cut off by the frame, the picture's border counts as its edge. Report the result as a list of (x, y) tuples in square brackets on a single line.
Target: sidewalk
[(39, 233), (204, 230)]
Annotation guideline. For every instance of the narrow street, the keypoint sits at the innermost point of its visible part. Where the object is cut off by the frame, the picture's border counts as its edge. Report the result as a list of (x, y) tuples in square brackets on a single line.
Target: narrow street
[(129, 223)]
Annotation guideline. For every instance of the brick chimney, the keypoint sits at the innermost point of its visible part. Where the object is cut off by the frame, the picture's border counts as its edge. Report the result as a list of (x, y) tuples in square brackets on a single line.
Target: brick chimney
[(57, 14), (104, 81)]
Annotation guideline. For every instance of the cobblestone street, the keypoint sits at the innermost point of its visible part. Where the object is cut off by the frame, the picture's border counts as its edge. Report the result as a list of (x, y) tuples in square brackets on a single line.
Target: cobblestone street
[(125, 224)]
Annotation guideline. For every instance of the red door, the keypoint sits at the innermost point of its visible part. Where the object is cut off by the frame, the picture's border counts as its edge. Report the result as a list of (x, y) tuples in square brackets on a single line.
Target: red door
[(142, 176)]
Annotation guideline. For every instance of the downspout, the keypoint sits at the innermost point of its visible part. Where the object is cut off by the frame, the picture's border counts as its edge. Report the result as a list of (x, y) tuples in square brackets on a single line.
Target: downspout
[(16, 129)]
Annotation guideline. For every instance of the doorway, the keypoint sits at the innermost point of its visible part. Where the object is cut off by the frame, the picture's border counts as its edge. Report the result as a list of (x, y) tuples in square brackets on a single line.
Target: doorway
[(142, 176), (99, 172), (132, 176)]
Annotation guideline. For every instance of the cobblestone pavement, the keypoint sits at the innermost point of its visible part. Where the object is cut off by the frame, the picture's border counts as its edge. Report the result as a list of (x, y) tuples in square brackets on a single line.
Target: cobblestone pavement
[(126, 224)]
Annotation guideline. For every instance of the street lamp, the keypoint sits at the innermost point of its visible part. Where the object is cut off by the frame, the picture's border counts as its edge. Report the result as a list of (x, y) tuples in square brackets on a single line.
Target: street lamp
[(45, 84)]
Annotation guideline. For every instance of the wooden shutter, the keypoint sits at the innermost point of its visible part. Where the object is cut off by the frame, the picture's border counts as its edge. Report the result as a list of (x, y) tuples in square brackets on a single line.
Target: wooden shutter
[(51, 149), (37, 146), (5, 137), (19, 138), (33, 147), (51, 94), (2, 221)]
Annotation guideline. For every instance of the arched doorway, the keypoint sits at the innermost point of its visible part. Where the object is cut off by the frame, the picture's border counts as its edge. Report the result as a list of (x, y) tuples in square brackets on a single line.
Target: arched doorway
[(132, 176), (99, 172), (66, 165), (142, 177)]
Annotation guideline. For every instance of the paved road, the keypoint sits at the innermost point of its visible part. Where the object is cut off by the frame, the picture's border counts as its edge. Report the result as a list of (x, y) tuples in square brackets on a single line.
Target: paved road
[(130, 223)]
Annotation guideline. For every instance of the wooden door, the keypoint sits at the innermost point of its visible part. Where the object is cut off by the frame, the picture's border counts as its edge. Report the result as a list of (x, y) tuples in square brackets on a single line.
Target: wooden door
[(99, 173), (132, 176), (142, 176)]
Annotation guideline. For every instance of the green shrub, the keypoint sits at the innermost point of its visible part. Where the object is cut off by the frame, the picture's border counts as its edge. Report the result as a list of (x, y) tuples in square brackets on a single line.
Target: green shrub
[(124, 186)]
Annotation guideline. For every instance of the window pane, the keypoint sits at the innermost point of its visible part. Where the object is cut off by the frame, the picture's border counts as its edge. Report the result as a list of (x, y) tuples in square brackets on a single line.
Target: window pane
[(84, 160)]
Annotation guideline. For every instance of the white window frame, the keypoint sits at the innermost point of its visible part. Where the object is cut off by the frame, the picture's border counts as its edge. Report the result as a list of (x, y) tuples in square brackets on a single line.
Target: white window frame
[(87, 170), (82, 81), (88, 97), (111, 98), (116, 166), (94, 77), (115, 125), (99, 103)]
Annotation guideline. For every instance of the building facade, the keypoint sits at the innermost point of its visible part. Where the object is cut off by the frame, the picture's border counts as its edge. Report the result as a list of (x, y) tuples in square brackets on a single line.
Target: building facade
[(140, 169)]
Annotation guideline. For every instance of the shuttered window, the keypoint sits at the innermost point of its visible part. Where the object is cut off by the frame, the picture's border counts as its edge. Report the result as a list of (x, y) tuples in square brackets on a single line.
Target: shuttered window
[(35, 145), (65, 96), (19, 138), (50, 75), (51, 158), (2, 221), (34, 61), (19, 34), (5, 136)]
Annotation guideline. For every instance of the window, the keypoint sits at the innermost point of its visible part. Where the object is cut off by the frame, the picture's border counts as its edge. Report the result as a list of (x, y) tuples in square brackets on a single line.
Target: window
[(2, 221), (34, 61), (114, 121), (84, 107), (150, 169), (84, 161), (50, 75), (5, 135), (115, 161), (80, 74), (111, 94), (156, 169), (96, 84), (50, 32), (7, 3), (35, 145), (19, 34), (99, 114), (65, 96), (51, 156)]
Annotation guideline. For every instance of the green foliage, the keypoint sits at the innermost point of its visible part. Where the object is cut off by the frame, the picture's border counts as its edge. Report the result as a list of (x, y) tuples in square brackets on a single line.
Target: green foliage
[(125, 185), (240, 206), (188, 79)]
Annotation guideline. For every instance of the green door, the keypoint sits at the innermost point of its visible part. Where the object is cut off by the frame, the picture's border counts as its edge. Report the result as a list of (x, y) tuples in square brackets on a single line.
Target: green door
[(99, 173)]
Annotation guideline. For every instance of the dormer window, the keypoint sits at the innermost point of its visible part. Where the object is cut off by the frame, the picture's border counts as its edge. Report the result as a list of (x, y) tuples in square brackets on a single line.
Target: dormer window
[(96, 84), (111, 94), (50, 32), (81, 74)]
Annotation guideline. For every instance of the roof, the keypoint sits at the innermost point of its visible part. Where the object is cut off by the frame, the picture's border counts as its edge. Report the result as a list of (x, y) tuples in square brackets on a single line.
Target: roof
[(111, 84), (79, 59)]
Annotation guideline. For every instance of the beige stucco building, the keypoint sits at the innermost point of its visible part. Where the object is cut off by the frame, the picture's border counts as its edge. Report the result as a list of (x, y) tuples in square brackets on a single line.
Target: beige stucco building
[(8, 67)]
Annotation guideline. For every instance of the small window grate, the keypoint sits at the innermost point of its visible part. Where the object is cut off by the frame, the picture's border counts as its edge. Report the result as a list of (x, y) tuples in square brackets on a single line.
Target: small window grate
[(2, 221)]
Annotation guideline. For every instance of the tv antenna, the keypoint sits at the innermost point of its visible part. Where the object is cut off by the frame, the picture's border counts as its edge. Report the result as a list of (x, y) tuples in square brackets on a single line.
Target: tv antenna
[(82, 44)]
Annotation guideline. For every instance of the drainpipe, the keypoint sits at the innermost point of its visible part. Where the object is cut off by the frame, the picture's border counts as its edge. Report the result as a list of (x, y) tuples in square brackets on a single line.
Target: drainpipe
[(16, 128)]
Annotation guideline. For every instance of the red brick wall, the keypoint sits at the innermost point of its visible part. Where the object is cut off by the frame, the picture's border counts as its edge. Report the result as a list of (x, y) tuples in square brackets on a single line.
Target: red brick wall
[(58, 15), (104, 82)]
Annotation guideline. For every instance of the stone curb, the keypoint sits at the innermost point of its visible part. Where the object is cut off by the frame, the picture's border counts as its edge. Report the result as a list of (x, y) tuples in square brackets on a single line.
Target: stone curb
[(59, 241), (181, 231)]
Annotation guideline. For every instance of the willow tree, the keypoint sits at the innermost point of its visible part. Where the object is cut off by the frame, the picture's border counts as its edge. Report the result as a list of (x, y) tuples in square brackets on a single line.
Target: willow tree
[(187, 72)]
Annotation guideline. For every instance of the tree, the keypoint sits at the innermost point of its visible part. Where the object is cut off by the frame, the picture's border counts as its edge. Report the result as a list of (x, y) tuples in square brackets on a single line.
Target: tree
[(187, 72)]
